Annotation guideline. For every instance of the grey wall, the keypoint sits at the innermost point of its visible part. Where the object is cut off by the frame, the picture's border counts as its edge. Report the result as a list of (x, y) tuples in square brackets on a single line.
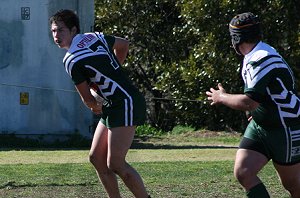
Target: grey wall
[(31, 63)]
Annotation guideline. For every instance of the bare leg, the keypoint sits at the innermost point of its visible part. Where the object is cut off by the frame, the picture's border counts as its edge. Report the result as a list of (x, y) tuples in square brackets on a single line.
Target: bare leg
[(247, 165), (98, 157), (290, 178), (119, 141)]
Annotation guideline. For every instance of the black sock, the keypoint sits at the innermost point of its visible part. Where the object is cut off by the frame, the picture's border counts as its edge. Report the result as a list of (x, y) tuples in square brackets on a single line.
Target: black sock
[(258, 191)]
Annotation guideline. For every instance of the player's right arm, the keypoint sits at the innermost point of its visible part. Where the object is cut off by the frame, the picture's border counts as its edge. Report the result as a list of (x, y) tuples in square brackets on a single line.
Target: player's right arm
[(235, 101), (77, 73), (87, 98)]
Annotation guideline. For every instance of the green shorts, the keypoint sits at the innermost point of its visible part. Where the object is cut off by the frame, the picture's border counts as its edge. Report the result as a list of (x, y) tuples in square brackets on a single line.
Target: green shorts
[(126, 112), (279, 144)]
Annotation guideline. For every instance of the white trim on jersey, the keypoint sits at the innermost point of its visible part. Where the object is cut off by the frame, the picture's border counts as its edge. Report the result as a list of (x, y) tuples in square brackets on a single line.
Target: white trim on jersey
[(76, 53), (255, 74), (283, 95), (287, 133), (106, 82), (257, 64), (73, 58), (128, 105)]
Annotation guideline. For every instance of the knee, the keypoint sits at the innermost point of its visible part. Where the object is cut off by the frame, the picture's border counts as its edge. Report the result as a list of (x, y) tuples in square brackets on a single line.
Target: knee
[(117, 166), (122, 169), (93, 158), (113, 166), (99, 165), (242, 174)]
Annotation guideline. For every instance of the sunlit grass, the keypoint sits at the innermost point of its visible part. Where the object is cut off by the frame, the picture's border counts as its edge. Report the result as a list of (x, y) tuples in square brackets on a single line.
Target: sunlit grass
[(183, 165), (163, 179)]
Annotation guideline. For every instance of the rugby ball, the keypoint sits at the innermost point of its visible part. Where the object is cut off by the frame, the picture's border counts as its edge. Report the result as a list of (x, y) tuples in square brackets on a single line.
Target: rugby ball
[(96, 96)]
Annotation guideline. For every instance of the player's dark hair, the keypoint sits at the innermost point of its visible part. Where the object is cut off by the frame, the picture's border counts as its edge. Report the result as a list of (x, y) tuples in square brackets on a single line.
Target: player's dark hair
[(68, 17), (245, 27)]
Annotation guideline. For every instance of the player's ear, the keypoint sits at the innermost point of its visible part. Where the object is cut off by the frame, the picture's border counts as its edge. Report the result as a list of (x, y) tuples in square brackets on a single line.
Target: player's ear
[(74, 30)]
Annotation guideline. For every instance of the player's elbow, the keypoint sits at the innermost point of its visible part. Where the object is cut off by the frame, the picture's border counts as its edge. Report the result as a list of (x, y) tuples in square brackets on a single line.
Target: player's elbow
[(121, 44), (249, 104)]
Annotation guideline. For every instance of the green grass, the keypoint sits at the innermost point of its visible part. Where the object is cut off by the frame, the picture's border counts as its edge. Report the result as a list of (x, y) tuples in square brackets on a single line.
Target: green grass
[(184, 165), (134, 155), (163, 179)]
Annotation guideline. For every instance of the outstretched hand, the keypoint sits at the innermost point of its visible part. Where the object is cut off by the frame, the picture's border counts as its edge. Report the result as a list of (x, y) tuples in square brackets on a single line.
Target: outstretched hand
[(214, 95)]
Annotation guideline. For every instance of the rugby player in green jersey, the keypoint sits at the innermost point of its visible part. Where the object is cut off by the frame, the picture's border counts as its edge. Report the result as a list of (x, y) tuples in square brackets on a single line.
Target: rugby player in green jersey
[(270, 96), (94, 60)]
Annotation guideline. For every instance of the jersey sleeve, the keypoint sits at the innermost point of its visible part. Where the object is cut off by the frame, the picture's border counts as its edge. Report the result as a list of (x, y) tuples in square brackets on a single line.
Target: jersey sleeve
[(110, 40), (257, 88), (78, 74), (254, 96)]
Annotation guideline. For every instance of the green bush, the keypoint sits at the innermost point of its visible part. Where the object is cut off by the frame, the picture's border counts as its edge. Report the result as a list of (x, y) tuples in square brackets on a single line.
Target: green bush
[(148, 130), (182, 129), (181, 48)]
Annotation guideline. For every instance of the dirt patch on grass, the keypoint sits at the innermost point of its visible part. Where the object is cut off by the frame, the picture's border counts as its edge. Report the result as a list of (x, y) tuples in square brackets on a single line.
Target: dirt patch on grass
[(208, 134), (191, 139)]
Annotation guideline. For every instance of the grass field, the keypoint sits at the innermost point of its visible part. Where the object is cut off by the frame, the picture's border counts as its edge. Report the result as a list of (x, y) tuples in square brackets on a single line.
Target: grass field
[(171, 166)]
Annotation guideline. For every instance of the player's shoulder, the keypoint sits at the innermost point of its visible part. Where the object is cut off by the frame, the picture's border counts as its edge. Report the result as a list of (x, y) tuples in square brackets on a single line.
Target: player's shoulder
[(83, 46), (261, 52), (80, 45), (82, 41)]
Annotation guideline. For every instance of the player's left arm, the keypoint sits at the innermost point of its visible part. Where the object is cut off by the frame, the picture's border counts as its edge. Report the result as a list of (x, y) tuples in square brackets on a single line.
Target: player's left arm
[(87, 98), (121, 47), (235, 101)]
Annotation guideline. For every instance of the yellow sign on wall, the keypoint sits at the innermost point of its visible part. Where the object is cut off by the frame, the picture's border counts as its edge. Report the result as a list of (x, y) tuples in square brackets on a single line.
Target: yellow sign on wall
[(24, 98)]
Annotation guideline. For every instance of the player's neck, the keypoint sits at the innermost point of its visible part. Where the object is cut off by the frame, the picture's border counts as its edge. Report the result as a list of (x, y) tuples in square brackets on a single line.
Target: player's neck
[(67, 47), (245, 48)]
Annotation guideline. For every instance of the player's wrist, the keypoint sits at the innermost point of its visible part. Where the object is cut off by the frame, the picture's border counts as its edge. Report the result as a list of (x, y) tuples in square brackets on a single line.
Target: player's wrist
[(222, 97)]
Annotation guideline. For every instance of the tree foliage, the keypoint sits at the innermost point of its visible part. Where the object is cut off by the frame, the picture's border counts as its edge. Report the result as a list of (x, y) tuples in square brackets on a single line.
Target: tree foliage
[(181, 48)]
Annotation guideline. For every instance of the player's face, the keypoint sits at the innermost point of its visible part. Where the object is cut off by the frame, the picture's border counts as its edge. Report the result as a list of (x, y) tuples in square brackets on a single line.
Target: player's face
[(62, 36)]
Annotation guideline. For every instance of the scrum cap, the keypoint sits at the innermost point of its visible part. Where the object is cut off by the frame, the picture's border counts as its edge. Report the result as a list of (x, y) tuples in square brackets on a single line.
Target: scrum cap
[(244, 27)]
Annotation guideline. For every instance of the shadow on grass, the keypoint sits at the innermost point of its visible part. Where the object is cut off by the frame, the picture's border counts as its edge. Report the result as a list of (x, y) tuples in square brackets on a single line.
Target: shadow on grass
[(144, 145), (12, 142), (13, 184)]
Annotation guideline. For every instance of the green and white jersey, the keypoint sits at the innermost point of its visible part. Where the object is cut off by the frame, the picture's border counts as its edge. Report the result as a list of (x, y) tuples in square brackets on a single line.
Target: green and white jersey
[(91, 58), (269, 80)]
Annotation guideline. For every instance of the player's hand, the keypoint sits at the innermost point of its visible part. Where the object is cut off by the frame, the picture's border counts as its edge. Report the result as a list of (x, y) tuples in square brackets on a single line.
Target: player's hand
[(214, 95), (97, 109)]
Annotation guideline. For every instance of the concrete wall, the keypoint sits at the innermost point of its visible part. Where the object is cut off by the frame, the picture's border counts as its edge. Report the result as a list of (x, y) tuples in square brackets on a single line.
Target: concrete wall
[(31, 70)]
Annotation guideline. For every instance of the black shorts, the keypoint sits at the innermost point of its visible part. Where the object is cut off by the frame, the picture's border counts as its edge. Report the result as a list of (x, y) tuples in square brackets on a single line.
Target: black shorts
[(247, 143), (279, 144), (126, 112)]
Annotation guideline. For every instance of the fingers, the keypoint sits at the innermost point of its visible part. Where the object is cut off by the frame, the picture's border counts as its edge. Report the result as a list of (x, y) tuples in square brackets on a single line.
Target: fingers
[(213, 94), (210, 96), (208, 93), (220, 86)]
